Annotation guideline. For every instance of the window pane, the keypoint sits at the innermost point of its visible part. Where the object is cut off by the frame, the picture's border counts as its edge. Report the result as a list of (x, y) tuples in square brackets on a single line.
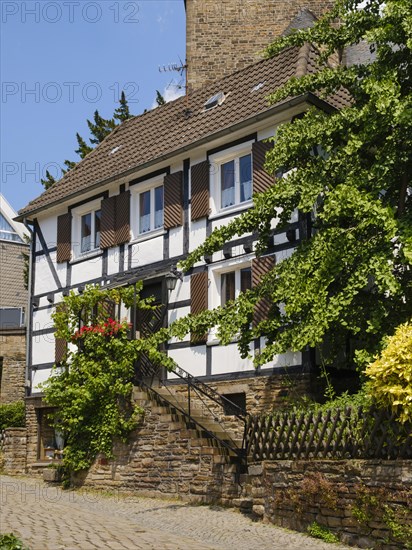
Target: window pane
[(245, 176), (97, 216), (227, 287), (245, 279), (86, 231), (144, 212), (158, 207), (6, 235), (227, 178)]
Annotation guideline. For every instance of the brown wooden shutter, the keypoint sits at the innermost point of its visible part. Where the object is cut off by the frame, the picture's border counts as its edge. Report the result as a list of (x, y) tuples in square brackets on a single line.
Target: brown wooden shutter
[(261, 179), (64, 233), (260, 267), (122, 218), (200, 190), (173, 200), (107, 222), (199, 283)]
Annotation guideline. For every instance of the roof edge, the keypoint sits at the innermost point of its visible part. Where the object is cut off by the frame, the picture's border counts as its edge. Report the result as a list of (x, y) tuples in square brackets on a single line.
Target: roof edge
[(308, 97)]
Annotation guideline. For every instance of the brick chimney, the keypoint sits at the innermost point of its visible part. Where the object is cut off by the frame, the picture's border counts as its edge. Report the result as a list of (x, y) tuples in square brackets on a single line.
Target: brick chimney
[(223, 36)]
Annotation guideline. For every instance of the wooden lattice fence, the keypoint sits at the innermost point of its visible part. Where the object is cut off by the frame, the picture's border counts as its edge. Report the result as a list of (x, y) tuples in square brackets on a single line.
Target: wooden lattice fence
[(334, 434)]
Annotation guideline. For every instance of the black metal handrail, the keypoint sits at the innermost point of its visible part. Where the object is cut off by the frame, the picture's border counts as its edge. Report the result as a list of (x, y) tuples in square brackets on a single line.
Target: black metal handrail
[(210, 392), (240, 452)]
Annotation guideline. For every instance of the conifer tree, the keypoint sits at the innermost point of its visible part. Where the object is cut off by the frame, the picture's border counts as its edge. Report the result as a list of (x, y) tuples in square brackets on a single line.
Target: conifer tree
[(160, 100), (100, 128), (122, 112), (83, 148)]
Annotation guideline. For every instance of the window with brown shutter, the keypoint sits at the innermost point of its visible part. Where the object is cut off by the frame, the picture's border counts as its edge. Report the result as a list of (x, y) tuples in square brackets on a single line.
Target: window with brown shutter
[(107, 222), (173, 200), (199, 283), (64, 233), (122, 223), (261, 179), (199, 177), (260, 267), (115, 220)]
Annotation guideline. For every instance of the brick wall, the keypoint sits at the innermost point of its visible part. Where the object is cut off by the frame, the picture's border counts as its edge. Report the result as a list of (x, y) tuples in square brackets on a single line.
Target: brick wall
[(13, 352), (226, 36)]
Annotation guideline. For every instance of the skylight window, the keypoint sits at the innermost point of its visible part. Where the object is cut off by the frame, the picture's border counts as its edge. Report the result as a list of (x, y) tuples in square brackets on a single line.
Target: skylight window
[(214, 101)]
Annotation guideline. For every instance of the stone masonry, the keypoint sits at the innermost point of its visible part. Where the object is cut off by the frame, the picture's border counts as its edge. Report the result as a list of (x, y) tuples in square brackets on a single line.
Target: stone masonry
[(13, 351), (226, 36), (367, 503)]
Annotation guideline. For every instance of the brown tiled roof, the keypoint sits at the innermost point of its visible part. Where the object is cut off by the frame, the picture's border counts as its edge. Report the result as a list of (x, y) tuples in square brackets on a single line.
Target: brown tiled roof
[(181, 123)]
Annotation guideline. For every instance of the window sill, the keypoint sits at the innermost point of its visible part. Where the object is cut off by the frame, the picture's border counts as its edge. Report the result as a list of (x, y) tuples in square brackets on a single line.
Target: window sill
[(236, 208), (148, 235), (87, 256)]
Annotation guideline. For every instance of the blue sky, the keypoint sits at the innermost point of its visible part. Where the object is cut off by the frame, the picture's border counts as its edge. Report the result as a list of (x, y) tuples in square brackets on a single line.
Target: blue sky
[(61, 60)]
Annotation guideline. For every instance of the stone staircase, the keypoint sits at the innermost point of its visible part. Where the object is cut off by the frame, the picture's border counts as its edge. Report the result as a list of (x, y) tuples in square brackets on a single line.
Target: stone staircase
[(204, 427)]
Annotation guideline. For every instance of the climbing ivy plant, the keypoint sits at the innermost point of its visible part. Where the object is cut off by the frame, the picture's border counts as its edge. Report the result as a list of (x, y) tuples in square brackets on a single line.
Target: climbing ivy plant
[(92, 387)]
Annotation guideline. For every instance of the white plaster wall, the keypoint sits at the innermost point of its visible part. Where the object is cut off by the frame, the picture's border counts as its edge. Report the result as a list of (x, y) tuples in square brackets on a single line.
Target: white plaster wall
[(38, 377), (87, 271), (48, 227), (113, 259), (226, 359), (42, 319), (147, 252), (283, 254), (197, 233), (175, 314), (192, 360), (176, 241), (181, 292), (284, 360), (44, 281), (43, 349)]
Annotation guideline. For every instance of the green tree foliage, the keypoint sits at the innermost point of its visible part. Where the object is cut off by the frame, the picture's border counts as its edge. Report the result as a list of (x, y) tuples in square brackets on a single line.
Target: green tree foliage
[(351, 280), (48, 181), (99, 128), (160, 100), (83, 148), (122, 113), (12, 415), (92, 387), (390, 376)]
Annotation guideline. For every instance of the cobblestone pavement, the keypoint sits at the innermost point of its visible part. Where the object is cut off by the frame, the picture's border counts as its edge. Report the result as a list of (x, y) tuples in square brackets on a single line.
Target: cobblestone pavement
[(47, 518)]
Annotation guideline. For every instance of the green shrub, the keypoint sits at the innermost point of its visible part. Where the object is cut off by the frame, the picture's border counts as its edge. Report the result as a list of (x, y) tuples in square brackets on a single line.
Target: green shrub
[(11, 542), (12, 415), (390, 376), (318, 532)]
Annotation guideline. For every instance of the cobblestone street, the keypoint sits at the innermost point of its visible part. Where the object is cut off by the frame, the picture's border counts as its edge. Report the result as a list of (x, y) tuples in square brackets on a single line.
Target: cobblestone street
[(47, 518)]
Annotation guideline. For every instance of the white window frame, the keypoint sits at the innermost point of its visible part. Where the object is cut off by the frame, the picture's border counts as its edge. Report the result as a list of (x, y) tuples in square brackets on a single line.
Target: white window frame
[(77, 214), (216, 161), (214, 292), (136, 190)]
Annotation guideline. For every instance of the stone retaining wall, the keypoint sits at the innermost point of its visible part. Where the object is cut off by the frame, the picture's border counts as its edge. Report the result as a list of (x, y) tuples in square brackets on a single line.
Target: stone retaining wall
[(14, 450), (166, 458), (13, 351), (365, 502)]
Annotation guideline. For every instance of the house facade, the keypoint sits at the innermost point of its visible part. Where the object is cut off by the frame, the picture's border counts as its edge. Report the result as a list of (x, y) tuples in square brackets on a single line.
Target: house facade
[(148, 195), (14, 251)]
